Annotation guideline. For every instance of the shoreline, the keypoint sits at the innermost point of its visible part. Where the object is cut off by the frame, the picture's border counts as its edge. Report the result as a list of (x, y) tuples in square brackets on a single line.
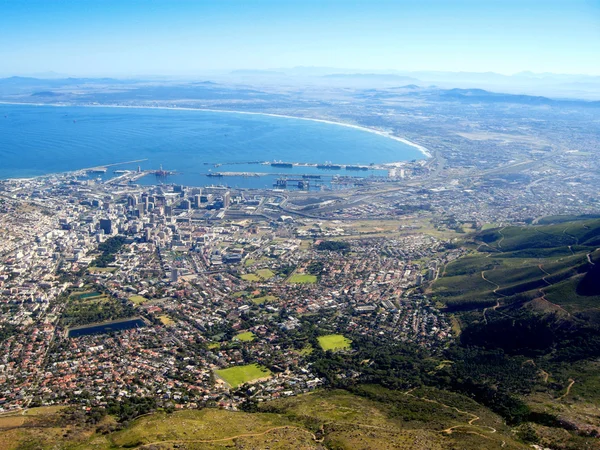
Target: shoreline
[(426, 153)]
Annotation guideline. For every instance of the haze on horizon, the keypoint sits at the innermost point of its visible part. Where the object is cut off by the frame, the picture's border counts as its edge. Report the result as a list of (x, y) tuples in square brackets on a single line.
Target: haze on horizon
[(179, 38)]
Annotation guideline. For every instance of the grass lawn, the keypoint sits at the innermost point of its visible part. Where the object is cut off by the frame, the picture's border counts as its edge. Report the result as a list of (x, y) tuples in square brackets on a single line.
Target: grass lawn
[(302, 278), (259, 275), (236, 375), (42, 410), (265, 274), (166, 320), (489, 226), (138, 299), (266, 298), (334, 342), (250, 277), (247, 336), (249, 262)]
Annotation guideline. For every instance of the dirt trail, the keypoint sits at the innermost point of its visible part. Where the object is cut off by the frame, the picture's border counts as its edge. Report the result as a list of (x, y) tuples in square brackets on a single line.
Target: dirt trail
[(575, 238), (494, 308), (543, 294), (542, 372), (495, 291), (571, 383), (270, 430), (207, 441), (543, 297), (546, 274), (450, 430), (497, 286), (502, 237)]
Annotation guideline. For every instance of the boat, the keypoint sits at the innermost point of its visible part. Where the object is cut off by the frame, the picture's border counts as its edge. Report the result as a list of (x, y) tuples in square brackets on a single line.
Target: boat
[(329, 166)]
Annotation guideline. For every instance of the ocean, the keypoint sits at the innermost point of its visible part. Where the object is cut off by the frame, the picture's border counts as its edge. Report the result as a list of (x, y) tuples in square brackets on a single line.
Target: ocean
[(39, 140)]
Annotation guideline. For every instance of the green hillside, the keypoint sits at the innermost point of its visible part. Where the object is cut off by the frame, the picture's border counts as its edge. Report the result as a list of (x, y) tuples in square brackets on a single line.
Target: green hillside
[(371, 417), (533, 294), (514, 264)]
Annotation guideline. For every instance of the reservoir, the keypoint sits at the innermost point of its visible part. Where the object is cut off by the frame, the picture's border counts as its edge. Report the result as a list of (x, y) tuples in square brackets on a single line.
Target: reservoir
[(106, 327)]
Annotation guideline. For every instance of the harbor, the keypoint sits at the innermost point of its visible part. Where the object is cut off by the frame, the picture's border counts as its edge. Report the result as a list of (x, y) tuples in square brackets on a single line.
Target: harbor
[(274, 174)]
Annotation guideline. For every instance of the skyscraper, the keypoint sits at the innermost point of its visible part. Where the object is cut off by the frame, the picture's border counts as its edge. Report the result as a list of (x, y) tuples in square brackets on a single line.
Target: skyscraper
[(106, 226)]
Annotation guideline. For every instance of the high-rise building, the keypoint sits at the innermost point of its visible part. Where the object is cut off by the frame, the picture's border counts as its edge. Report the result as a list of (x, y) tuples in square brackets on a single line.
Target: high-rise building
[(106, 226), (226, 199)]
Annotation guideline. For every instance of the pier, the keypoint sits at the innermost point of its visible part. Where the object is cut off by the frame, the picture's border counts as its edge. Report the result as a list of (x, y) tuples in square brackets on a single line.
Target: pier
[(104, 167), (130, 176), (267, 174), (326, 166)]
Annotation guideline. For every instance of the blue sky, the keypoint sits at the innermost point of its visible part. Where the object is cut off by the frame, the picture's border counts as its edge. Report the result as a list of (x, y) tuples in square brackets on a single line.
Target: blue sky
[(127, 38)]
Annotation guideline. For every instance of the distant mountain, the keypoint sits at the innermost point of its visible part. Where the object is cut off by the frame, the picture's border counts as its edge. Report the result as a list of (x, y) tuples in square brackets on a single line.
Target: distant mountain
[(46, 94), (268, 73), (373, 76), (313, 71), (495, 97), (30, 81)]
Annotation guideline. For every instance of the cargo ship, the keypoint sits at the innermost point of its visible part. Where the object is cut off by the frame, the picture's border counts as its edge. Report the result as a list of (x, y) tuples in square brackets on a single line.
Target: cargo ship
[(357, 168), (329, 166), (97, 170)]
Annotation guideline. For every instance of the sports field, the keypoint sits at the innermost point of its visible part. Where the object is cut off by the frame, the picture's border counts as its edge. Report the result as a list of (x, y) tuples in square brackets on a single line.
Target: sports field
[(250, 277), (246, 336), (236, 375), (259, 275), (266, 298), (302, 278), (334, 342), (265, 274)]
